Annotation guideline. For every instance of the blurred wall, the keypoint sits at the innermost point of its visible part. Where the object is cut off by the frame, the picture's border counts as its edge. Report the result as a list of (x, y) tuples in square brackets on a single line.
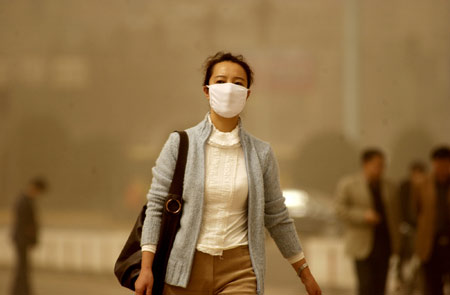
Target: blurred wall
[(89, 90)]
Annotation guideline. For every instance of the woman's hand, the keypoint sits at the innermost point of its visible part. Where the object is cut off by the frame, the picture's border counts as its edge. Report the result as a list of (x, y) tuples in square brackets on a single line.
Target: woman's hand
[(144, 282), (311, 285)]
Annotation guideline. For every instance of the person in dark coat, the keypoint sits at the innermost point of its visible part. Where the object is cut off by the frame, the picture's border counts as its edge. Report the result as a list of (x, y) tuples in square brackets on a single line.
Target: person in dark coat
[(433, 223), (25, 234), (406, 269), (367, 204)]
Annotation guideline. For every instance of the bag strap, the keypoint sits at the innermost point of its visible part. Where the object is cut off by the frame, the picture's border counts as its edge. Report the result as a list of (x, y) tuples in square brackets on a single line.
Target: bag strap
[(176, 187), (170, 221)]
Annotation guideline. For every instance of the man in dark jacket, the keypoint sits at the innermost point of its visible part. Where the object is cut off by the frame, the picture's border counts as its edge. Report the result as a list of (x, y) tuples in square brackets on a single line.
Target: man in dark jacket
[(367, 204), (25, 234), (433, 223)]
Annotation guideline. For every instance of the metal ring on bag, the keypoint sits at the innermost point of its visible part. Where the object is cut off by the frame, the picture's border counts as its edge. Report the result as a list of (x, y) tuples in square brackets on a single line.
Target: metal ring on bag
[(178, 206)]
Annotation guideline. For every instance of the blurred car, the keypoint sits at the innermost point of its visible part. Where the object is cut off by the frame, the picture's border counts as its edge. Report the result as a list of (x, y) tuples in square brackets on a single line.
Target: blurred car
[(312, 211)]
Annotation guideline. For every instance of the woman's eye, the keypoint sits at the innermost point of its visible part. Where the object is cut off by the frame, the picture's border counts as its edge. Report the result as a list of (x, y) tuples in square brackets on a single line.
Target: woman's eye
[(220, 81), (239, 83)]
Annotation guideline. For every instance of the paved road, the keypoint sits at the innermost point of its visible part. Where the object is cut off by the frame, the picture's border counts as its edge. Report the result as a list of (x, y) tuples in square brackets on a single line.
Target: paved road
[(53, 283), (280, 280)]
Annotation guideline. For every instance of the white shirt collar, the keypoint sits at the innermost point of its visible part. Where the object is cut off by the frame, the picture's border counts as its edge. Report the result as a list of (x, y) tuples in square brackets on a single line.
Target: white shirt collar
[(224, 139)]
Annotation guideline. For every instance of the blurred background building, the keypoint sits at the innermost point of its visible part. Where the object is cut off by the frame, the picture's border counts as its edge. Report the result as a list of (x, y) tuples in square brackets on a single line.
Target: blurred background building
[(89, 91)]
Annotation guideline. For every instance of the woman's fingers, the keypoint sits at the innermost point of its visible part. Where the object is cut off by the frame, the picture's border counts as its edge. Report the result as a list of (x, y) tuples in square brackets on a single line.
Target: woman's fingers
[(312, 288), (139, 291), (141, 286)]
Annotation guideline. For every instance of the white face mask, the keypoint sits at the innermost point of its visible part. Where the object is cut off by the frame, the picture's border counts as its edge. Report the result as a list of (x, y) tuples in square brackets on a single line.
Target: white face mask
[(227, 99)]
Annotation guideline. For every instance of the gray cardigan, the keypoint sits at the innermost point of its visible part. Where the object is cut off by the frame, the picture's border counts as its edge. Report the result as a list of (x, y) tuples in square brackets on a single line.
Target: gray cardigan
[(265, 203)]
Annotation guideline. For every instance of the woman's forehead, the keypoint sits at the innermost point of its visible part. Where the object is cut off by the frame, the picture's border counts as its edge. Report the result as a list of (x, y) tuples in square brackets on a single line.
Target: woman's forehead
[(228, 68)]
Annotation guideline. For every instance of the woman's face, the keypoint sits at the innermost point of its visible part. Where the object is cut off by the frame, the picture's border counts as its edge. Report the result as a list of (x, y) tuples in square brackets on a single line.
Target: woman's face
[(227, 72)]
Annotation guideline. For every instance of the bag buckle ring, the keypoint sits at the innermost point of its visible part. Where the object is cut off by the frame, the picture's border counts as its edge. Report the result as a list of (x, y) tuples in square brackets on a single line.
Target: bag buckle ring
[(177, 204)]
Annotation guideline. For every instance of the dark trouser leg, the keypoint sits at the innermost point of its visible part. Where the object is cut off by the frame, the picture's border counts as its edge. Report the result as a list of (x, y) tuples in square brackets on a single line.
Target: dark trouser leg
[(20, 284), (364, 275), (433, 279), (381, 268), (436, 269), (372, 274)]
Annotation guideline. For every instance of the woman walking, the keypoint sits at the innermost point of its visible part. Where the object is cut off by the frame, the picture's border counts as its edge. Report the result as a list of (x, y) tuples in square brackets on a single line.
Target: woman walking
[(231, 192)]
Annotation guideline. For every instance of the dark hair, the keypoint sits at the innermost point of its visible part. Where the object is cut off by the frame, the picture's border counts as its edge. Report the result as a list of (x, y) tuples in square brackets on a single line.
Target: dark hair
[(226, 56), (39, 183), (369, 154), (440, 153)]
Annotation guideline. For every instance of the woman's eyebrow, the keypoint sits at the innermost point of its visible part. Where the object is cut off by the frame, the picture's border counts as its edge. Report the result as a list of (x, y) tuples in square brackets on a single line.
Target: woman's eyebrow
[(224, 76), (220, 76)]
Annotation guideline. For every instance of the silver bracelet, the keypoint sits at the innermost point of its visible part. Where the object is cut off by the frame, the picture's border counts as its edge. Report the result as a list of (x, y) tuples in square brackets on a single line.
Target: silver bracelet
[(301, 268)]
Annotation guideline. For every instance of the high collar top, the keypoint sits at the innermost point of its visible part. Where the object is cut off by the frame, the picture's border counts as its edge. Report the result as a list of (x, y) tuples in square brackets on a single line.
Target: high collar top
[(224, 139)]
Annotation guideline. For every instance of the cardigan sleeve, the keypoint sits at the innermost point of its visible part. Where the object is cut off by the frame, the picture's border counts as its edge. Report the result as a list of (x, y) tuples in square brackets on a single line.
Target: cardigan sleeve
[(276, 217), (162, 178)]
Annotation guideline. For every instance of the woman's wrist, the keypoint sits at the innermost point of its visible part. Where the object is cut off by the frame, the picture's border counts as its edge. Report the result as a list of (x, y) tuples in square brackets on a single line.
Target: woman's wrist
[(147, 261), (305, 275), (302, 269)]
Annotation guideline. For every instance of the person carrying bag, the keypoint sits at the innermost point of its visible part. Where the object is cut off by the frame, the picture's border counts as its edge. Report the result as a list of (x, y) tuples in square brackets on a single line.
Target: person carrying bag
[(231, 193)]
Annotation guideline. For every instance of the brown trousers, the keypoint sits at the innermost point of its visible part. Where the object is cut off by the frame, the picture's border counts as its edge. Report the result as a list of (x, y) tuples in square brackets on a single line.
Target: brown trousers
[(229, 274)]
